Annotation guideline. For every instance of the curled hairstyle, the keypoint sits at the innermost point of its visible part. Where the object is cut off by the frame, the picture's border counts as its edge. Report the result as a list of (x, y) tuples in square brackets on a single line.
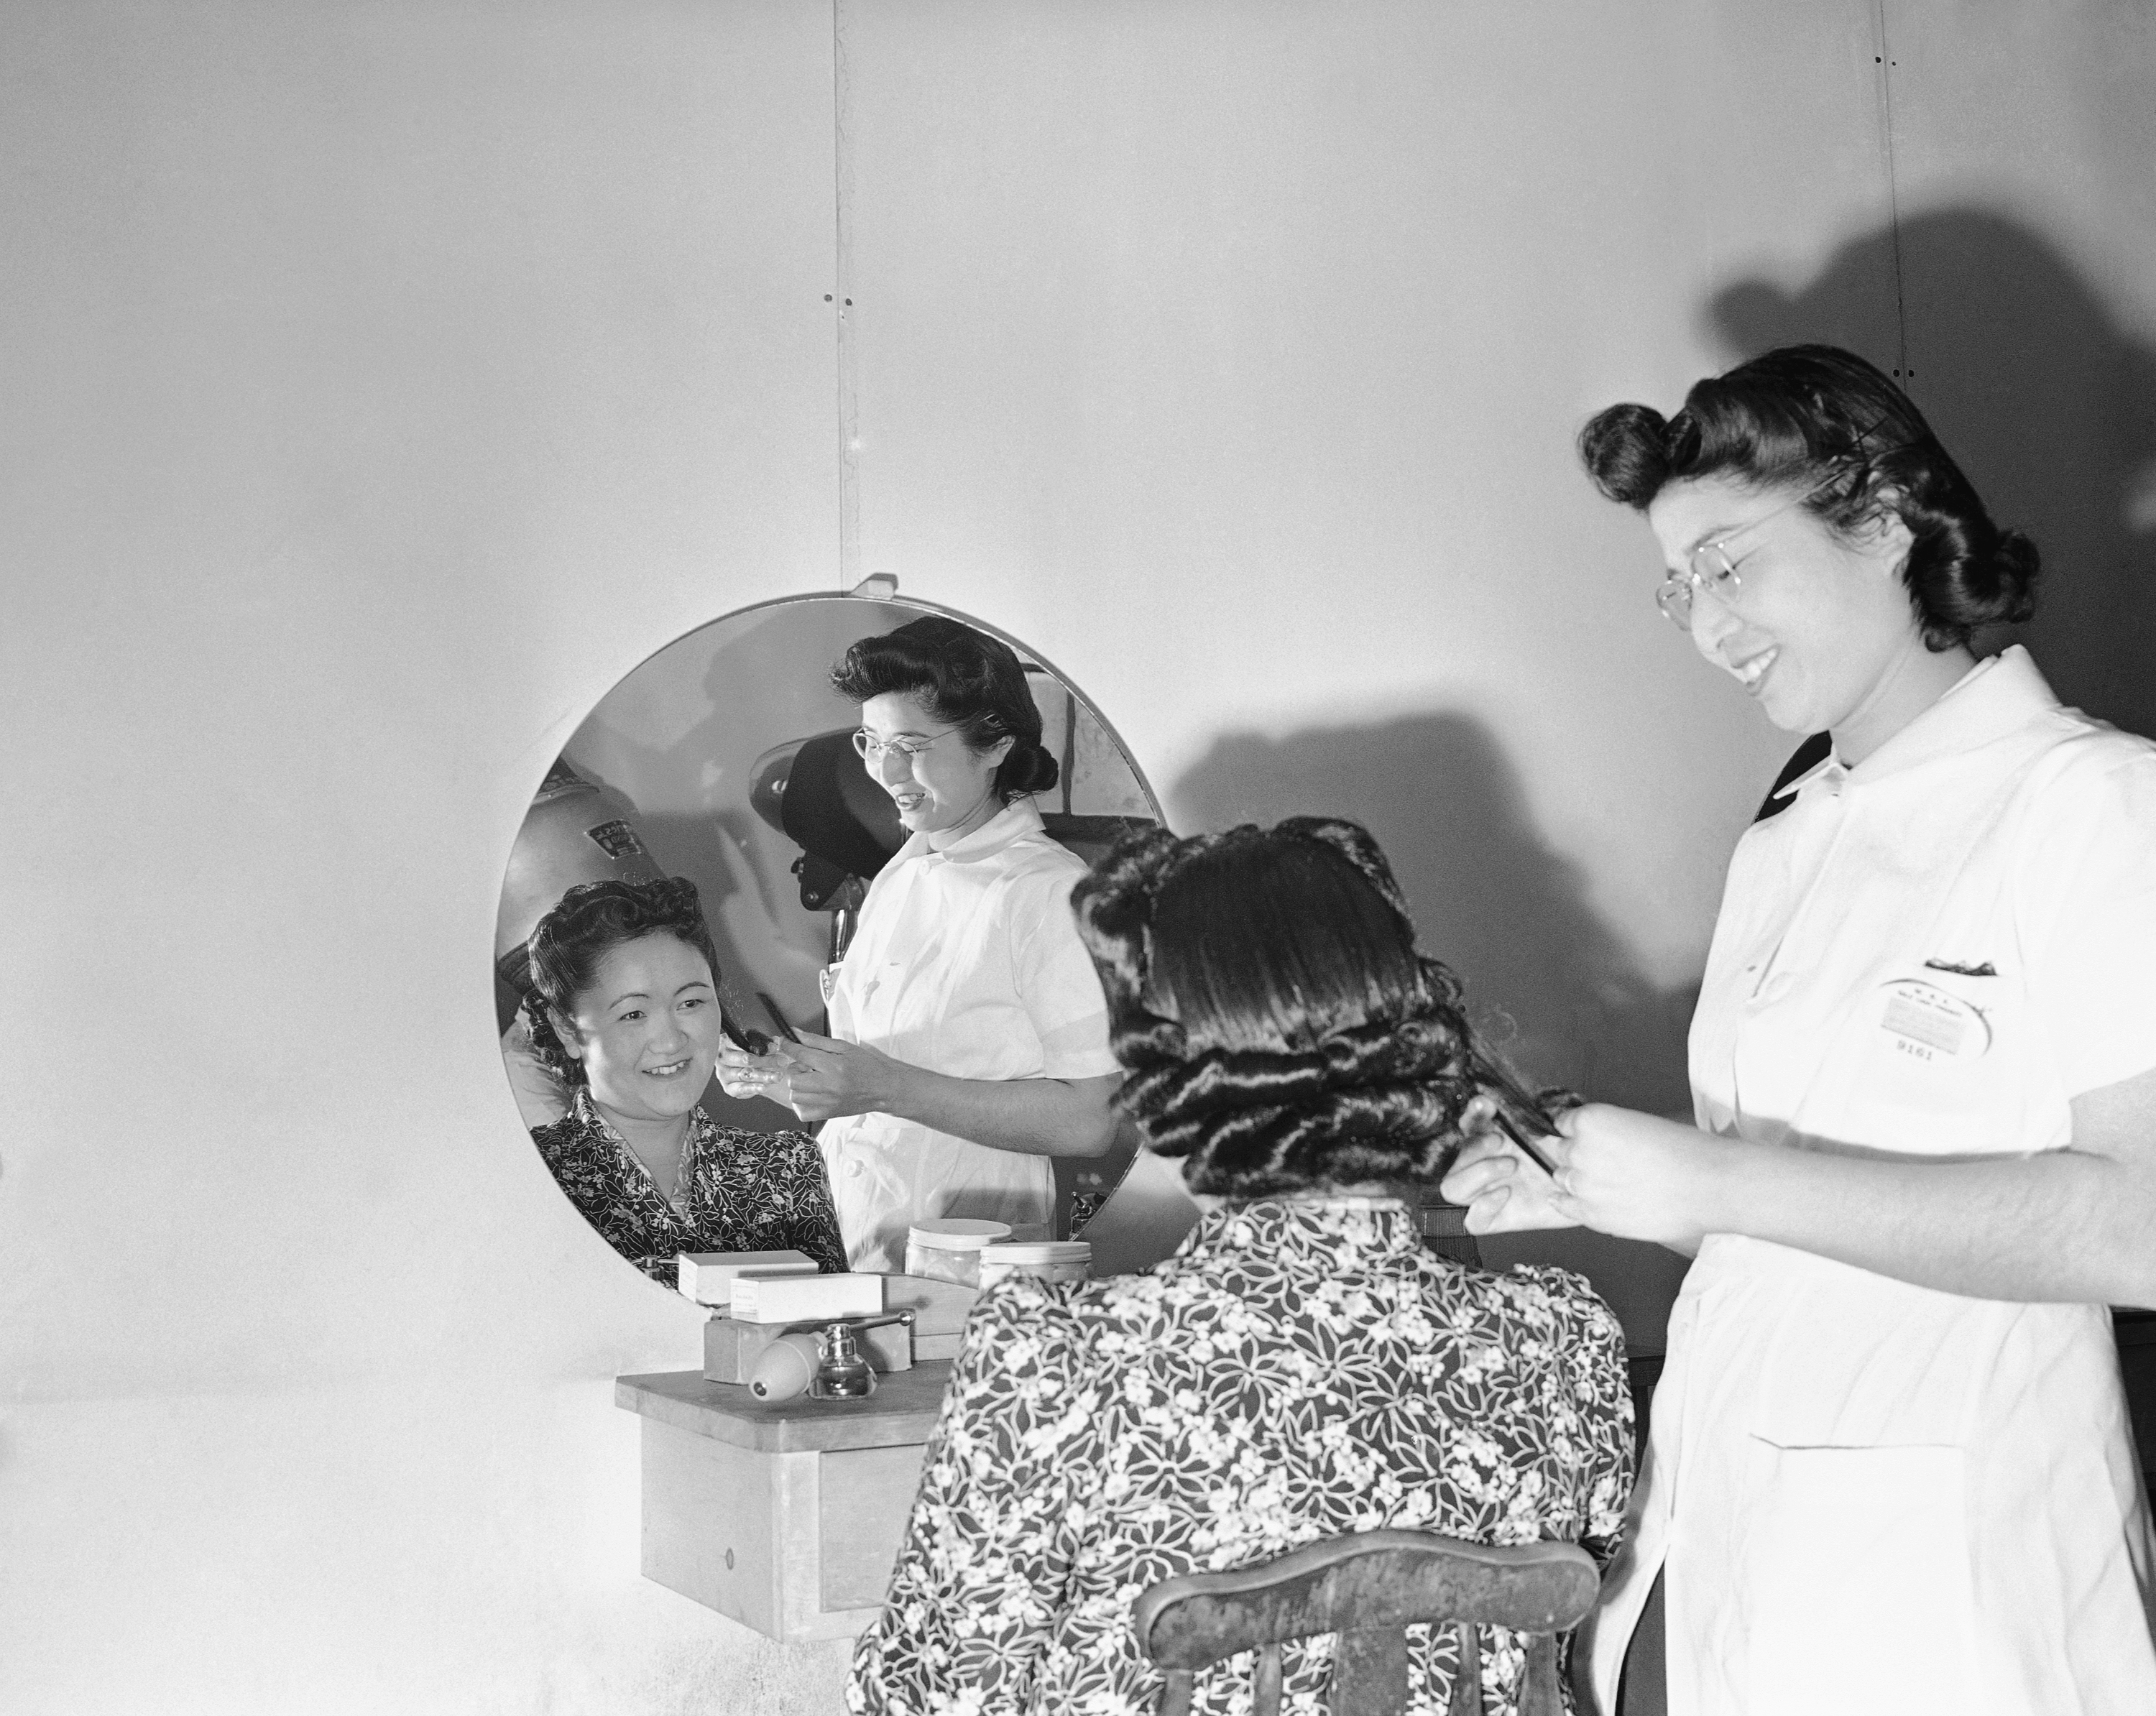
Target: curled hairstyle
[(1279, 1027), (964, 677), (1821, 420), (588, 923)]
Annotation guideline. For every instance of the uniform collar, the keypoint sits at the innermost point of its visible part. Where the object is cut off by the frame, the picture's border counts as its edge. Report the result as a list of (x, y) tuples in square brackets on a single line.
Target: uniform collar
[(2000, 695), (1013, 823)]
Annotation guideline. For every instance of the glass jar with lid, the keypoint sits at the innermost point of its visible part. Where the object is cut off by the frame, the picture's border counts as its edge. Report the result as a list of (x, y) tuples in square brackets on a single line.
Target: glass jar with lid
[(949, 1248), (1047, 1260)]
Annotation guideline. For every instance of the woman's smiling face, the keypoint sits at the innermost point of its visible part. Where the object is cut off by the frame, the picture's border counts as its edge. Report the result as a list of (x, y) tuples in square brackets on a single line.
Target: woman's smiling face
[(943, 787), (647, 1028), (1818, 625)]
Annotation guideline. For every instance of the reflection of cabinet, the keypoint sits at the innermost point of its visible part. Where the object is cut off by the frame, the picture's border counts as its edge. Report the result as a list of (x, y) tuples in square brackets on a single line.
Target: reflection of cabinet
[(787, 1517)]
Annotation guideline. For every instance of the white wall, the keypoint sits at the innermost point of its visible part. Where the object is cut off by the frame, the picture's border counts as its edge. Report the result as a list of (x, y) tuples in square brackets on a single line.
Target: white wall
[(383, 382)]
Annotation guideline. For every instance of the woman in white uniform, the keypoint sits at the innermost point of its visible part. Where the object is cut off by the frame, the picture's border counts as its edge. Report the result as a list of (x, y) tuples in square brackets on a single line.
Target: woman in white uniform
[(970, 1037), (1889, 1466)]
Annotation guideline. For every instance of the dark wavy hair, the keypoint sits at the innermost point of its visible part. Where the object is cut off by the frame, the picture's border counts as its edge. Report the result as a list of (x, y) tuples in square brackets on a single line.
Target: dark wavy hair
[(586, 923), (1281, 1030), (1821, 419), (962, 676)]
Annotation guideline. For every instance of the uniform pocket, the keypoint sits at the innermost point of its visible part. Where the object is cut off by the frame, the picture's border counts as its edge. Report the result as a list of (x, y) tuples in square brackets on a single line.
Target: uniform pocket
[(1856, 1577)]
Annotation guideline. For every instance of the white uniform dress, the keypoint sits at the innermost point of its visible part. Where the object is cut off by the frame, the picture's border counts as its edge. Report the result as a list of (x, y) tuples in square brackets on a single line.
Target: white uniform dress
[(966, 962), (1871, 1496)]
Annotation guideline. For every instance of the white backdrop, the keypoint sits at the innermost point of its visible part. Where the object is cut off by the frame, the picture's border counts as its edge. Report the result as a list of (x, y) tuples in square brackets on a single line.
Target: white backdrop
[(384, 381)]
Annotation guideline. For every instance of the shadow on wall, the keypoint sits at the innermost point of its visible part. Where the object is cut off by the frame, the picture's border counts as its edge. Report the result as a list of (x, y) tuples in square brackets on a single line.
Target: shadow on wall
[(2043, 398), (1547, 982)]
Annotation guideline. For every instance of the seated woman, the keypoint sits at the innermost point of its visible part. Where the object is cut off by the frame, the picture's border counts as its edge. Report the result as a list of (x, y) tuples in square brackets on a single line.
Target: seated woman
[(1304, 1366), (969, 1042), (624, 1009)]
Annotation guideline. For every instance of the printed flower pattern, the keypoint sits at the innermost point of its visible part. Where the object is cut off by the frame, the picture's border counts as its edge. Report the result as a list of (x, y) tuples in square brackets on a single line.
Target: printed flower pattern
[(1298, 1371), (739, 1191)]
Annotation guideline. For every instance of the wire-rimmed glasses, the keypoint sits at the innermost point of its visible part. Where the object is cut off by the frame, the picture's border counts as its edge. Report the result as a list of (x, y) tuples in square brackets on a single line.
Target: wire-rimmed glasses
[(870, 747), (1712, 567)]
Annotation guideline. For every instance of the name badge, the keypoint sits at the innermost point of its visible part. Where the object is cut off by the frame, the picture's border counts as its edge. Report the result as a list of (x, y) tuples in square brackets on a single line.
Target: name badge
[(1927, 1023)]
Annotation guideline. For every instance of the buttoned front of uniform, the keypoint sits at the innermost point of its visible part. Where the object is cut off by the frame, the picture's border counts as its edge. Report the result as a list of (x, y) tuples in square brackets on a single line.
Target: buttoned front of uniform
[(967, 963), (1873, 1495)]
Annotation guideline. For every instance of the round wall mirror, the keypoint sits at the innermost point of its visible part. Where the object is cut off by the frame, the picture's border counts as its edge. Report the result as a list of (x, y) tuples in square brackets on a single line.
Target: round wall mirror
[(728, 758)]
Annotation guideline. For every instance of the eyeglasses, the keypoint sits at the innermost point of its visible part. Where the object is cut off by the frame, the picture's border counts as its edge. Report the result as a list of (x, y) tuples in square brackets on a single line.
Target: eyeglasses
[(1710, 568), (906, 750)]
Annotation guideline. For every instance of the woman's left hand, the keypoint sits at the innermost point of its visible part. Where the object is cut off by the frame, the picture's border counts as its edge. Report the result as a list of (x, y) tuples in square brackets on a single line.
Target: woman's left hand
[(1638, 1176), (830, 1077)]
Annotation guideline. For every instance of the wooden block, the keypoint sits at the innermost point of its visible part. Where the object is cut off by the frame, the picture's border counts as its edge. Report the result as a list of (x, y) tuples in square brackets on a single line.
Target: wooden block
[(938, 1307)]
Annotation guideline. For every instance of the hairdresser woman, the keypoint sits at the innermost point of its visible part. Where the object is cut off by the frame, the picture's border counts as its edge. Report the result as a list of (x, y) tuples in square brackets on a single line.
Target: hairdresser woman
[(969, 1038), (1891, 1467)]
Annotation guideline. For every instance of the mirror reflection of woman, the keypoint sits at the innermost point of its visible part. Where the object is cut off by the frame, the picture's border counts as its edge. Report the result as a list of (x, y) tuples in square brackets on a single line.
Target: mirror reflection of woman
[(625, 1010), (969, 1038), (1890, 1466)]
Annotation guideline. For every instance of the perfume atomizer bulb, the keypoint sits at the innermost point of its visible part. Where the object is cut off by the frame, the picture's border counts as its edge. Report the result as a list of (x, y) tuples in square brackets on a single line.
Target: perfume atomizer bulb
[(824, 1362)]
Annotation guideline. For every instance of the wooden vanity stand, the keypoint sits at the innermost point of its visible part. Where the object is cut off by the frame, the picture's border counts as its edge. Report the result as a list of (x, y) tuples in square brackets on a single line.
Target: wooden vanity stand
[(786, 1516)]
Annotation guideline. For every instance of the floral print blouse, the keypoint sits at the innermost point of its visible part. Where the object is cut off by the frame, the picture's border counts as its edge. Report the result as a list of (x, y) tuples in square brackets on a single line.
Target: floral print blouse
[(1296, 1370), (739, 1191)]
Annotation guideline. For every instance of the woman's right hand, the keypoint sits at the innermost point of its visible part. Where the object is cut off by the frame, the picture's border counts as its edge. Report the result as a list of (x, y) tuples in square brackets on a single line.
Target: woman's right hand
[(1503, 1191), (742, 1075)]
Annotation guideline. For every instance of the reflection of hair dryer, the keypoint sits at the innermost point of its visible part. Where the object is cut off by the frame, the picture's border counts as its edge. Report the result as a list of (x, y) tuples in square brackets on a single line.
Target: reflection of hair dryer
[(576, 830), (815, 792)]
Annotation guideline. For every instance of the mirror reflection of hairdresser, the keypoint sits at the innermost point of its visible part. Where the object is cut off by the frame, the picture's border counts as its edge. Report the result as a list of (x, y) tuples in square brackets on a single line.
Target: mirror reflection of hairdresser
[(969, 1038), (1889, 1466), (623, 1006)]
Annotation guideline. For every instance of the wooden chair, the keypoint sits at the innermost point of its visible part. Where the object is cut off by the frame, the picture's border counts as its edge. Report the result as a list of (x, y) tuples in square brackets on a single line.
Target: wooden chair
[(1367, 1588)]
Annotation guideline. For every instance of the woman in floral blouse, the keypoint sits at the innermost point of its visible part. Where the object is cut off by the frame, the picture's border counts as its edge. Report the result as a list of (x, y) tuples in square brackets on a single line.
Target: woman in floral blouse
[(624, 1007), (1303, 1366)]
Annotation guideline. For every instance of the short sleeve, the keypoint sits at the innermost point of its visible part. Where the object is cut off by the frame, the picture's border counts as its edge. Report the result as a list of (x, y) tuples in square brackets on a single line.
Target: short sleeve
[(1056, 982), (2086, 884), (979, 1593)]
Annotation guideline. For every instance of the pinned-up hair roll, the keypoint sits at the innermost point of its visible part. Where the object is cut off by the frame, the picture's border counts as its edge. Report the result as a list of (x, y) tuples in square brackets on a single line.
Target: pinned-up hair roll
[(964, 676), (1281, 1030), (1825, 425)]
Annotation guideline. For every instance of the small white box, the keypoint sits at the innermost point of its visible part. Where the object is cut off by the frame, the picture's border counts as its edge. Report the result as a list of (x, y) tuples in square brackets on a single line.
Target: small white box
[(708, 1277), (802, 1298)]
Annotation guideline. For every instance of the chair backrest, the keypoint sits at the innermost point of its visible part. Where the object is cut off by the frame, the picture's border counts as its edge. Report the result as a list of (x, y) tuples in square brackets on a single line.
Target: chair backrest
[(1367, 1588)]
